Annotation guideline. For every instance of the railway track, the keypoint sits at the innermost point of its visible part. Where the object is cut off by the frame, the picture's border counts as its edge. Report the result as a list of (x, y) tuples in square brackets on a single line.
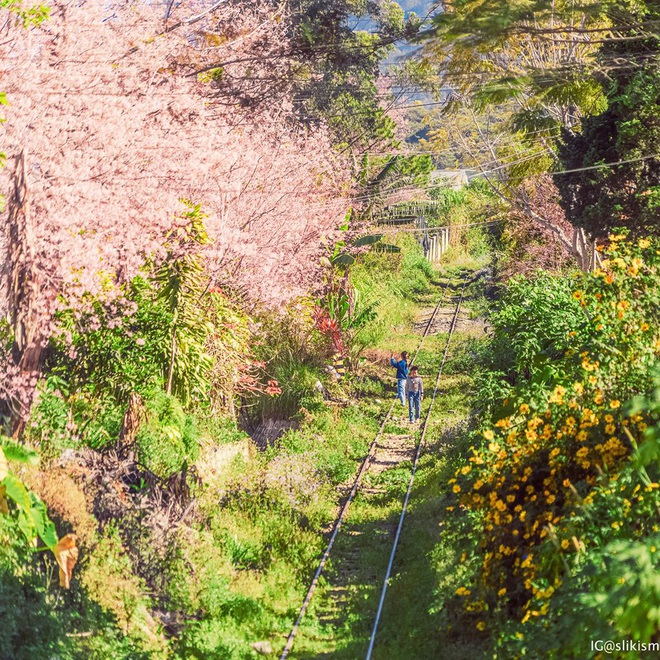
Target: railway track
[(418, 452), (387, 451)]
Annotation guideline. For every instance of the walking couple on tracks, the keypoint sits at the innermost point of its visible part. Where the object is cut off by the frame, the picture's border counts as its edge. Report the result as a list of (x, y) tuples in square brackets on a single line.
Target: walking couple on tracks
[(409, 386)]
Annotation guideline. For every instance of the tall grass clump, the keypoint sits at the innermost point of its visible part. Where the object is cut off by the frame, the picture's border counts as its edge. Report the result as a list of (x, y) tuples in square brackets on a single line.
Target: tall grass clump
[(395, 281), (475, 203)]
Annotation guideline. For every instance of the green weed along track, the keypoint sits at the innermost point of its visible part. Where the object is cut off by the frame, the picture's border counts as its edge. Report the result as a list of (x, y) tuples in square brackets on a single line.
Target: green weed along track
[(338, 623)]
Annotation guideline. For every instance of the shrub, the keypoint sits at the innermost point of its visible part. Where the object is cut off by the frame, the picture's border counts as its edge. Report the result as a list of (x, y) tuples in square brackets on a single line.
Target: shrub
[(562, 488), (530, 332), (168, 440), (113, 348)]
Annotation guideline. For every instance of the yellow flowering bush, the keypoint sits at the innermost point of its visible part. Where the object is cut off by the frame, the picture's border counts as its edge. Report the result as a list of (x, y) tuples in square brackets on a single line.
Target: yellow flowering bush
[(552, 482)]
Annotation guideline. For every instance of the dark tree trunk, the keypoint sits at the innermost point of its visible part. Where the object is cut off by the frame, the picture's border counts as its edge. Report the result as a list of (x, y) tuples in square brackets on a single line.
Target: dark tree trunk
[(26, 299)]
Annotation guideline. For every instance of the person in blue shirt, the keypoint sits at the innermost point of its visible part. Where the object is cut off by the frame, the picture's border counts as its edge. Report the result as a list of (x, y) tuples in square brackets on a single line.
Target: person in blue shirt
[(401, 375)]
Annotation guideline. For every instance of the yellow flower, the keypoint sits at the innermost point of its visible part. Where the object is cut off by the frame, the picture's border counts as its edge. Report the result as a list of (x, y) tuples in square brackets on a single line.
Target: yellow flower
[(481, 625), (644, 243), (456, 488), (489, 435), (558, 395), (494, 447), (565, 544), (609, 429), (524, 408), (615, 403), (462, 591), (619, 262), (578, 387), (534, 423), (578, 295), (501, 592)]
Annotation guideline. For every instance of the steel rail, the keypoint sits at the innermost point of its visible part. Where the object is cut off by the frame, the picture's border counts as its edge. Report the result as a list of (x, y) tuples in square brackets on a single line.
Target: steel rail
[(374, 631), (356, 484)]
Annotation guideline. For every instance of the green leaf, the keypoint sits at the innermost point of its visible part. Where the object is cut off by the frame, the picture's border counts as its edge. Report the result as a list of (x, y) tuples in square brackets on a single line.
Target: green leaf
[(343, 259), (347, 221), (42, 523), (26, 525), (18, 453), (368, 240), (386, 247), (17, 491)]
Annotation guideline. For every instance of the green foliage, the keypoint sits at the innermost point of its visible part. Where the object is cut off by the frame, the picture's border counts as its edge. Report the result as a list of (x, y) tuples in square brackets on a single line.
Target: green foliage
[(472, 204), (625, 588), (489, 57), (293, 353), (383, 176), (112, 350), (29, 511), (168, 440), (28, 15), (30, 626), (18, 453), (560, 489), (627, 129), (530, 335), (392, 281), (182, 283), (350, 311), (157, 331), (298, 384), (342, 66)]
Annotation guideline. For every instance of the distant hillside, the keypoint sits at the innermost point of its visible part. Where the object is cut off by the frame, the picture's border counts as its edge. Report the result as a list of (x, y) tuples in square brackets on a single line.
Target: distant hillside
[(420, 8)]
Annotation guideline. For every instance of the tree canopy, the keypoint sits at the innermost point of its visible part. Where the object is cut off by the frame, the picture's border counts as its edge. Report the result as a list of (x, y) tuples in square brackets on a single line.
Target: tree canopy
[(600, 196)]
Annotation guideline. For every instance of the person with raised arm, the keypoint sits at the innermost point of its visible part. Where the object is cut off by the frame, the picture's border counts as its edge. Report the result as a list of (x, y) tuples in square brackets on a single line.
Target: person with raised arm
[(401, 375)]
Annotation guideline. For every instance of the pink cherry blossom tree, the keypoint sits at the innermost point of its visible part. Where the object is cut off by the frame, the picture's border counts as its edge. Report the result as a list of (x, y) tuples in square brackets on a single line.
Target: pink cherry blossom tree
[(109, 128)]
